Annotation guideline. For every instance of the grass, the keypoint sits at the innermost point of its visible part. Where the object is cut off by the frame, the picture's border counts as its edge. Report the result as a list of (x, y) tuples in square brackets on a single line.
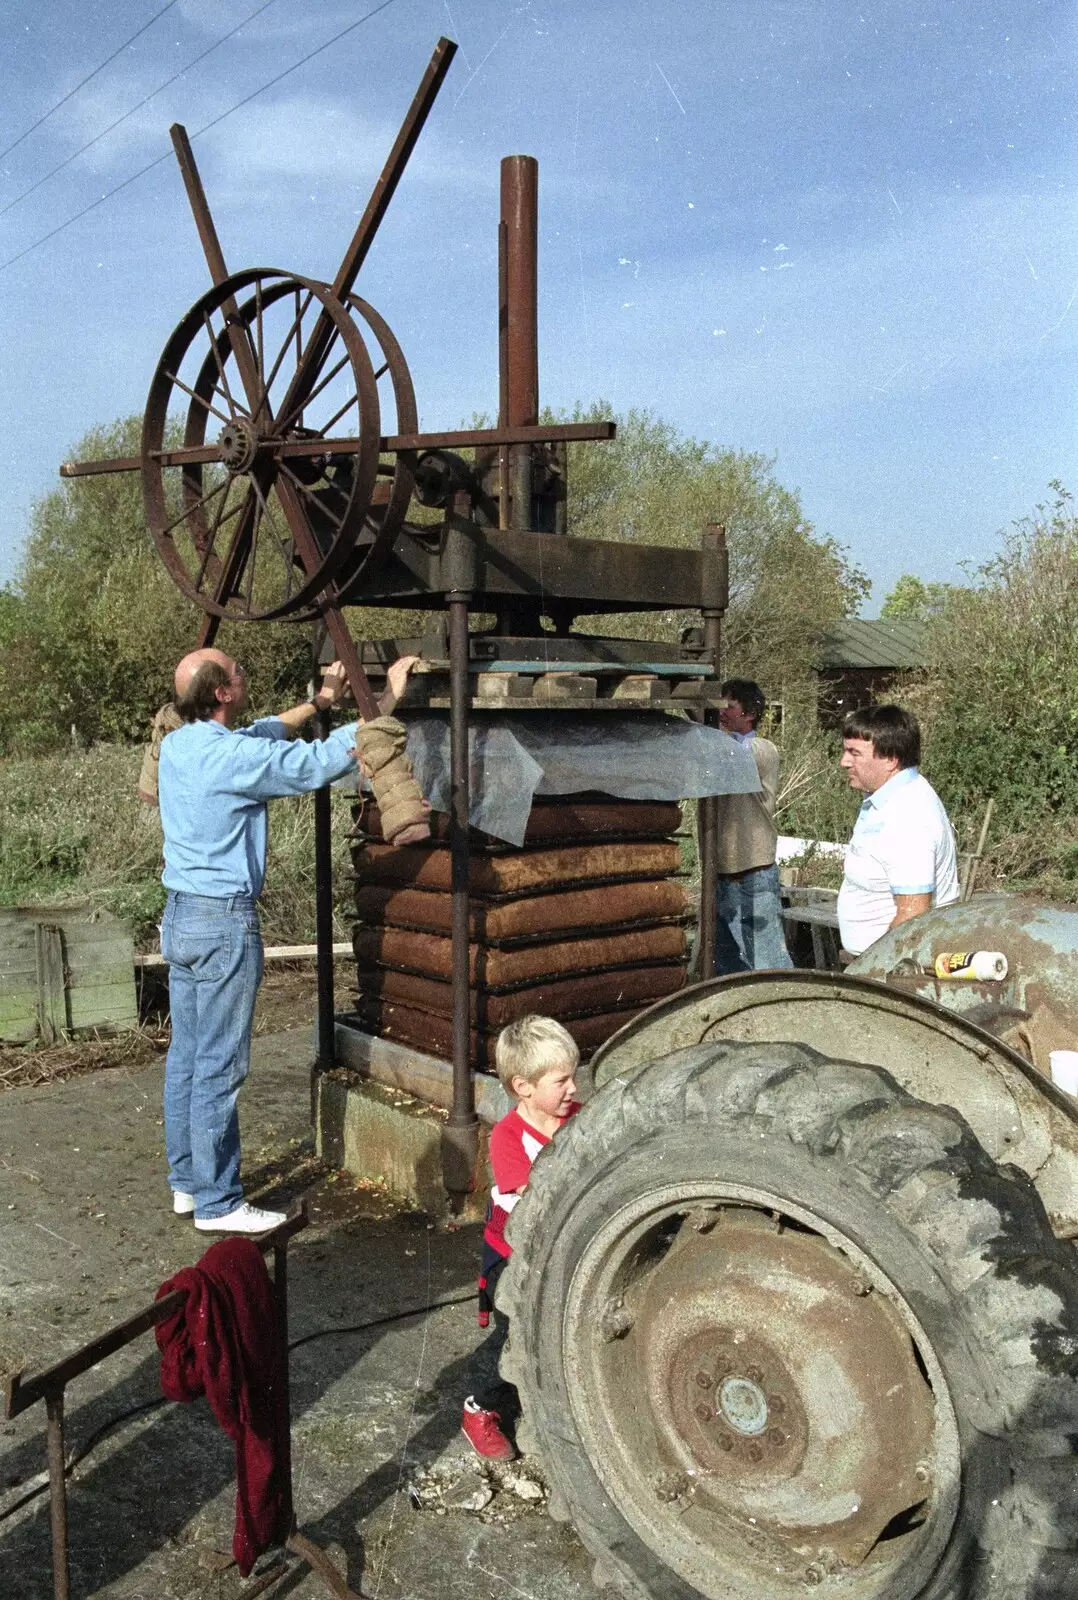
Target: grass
[(72, 828)]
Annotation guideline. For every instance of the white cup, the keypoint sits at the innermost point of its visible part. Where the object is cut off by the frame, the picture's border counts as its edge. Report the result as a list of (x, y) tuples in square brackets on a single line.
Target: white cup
[(1064, 1068)]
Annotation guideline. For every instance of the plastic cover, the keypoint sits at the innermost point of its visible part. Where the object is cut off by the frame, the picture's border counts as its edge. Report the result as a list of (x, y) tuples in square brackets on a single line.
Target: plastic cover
[(634, 757)]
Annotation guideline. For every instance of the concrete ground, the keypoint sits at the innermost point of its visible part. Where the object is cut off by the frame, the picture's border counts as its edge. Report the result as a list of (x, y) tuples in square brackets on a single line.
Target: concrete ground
[(379, 1466)]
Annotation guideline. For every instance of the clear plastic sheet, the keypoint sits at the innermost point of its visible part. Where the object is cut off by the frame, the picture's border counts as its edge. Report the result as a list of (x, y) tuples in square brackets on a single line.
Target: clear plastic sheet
[(634, 757)]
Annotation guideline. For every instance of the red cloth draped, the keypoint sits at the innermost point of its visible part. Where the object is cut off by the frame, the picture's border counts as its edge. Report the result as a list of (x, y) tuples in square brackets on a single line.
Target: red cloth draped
[(223, 1343)]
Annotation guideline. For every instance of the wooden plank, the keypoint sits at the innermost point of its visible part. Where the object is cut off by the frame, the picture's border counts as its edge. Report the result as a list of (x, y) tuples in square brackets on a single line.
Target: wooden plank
[(18, 978), (51, 987), (277, 952)]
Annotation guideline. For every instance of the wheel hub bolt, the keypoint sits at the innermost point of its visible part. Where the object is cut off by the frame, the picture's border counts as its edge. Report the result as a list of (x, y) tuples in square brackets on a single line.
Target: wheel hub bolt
[(754, 1375), (704, 1380), (705, 1413), (776, 1404), (754, 1452), (725, 1442), (776, 1437)]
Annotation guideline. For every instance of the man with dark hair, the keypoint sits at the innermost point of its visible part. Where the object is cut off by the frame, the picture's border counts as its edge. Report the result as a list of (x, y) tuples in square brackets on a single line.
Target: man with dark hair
[(214, 781), (901, 858), (749, 930)]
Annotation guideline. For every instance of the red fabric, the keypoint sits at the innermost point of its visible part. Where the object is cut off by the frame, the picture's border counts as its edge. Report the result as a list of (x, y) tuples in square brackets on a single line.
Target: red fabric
[(511, 1165), (223, 1343)]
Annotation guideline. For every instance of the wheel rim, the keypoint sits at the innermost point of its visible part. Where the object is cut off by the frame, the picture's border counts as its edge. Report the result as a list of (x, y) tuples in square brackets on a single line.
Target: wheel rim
[(221, 514), (758, 1400), (384, 522)]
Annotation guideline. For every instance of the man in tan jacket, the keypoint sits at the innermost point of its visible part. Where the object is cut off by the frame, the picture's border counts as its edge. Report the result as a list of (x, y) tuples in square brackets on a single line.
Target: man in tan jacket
[(749, 935)]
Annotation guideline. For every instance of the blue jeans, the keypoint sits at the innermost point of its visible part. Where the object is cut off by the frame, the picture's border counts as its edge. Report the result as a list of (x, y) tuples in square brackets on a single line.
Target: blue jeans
[(214, 951), (749, 933)]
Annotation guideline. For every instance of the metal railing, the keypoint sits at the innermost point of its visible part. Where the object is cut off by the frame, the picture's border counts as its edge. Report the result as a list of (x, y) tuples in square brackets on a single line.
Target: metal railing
[(49, 1386)]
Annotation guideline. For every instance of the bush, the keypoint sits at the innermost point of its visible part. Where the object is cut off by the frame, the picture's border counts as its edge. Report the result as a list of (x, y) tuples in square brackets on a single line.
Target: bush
[(1000, 701), (72, 828), (91, 633)]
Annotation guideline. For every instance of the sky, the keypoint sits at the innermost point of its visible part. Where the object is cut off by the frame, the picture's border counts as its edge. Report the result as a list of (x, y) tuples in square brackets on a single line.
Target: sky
[(842, 235)]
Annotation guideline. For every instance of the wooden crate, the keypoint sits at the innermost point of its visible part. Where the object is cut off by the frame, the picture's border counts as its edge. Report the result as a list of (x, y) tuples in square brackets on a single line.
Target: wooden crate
[(64, 970)]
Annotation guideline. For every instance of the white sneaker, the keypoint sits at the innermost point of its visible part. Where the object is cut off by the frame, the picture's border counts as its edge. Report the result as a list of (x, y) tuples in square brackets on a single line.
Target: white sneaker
[(245, 1219), (182, 1204)]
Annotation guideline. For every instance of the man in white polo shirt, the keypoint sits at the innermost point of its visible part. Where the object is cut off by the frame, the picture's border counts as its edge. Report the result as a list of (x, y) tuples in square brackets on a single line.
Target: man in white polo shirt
[(901, 858)]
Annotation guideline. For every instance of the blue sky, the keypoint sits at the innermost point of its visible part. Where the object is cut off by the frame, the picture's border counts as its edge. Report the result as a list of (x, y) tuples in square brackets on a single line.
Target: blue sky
[(843, 234)]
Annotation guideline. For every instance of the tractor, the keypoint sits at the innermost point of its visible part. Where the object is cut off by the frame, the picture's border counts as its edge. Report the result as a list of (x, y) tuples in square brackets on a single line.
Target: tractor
[(794, 1297)]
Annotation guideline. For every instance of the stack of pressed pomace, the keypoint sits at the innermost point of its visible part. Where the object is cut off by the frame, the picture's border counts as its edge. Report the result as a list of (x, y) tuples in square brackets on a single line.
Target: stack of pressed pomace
[(584, 923)]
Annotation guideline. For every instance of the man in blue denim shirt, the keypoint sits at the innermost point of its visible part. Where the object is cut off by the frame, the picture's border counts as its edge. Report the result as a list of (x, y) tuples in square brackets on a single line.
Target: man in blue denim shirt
[(214, 781)]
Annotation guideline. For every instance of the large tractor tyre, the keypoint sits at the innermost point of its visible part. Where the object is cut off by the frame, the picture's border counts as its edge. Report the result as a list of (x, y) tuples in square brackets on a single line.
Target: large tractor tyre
[(777, 1327)]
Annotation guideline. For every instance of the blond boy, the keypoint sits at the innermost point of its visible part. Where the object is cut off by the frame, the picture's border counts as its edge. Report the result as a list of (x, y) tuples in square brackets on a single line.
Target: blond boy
[(536, 1060)]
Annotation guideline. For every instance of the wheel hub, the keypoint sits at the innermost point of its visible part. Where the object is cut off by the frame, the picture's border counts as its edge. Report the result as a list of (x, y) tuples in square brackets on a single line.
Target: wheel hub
[(238, 444), (735, 1405)]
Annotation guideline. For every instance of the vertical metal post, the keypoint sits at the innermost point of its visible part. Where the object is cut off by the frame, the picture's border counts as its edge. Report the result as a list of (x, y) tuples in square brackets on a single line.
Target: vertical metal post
[(708, 809), (323, 898), (520, 220), (503, 375), (61, 1574), (461, 1135)]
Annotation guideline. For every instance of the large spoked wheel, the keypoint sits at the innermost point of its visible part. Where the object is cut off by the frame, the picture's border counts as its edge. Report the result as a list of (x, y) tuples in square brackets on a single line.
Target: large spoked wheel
[(260, 507), (778, 1326)]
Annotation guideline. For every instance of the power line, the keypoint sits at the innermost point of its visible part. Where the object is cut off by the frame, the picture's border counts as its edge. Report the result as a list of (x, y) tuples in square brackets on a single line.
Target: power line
[(84, 81), (99, 136), (352, 26)]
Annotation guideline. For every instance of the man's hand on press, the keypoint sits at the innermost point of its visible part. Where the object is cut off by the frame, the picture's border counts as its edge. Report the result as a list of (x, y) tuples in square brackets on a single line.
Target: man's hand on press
[(396, 678), (334, 684)]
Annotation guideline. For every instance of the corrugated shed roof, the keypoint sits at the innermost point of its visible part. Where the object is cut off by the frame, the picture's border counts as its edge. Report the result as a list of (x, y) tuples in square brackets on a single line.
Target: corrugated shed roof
[(886, 642)]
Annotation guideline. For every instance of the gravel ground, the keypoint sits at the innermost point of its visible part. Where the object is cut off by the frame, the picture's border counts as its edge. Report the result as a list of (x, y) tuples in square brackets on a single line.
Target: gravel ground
[(382, 1477)]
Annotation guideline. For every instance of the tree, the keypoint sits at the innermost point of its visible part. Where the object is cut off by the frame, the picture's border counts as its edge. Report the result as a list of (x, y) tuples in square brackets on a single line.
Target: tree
[(94, 624), (98, 624), (913, 600), (1001, 700), (788, 584)]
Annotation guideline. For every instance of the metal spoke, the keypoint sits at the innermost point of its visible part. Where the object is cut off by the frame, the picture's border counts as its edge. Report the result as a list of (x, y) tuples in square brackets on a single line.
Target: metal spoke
[(252, 559), (268, 384), (218, 524), (269, 517), (284, 422), (200, 398), (189, 511), (382, 370), (220, 366), (334, 335), (338, 522), (337, 415)]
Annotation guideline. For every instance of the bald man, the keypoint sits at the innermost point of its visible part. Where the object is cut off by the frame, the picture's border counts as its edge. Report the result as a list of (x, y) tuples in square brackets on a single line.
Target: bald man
[(213, 782)]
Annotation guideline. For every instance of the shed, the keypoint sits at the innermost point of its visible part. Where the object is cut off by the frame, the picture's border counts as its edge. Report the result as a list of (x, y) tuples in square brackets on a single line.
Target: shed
[(863, 662), (63, 970)]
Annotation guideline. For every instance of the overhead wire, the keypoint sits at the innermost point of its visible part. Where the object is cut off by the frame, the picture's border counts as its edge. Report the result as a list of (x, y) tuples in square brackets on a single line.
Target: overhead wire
[(34, 126), (74, 156), (214, 121)]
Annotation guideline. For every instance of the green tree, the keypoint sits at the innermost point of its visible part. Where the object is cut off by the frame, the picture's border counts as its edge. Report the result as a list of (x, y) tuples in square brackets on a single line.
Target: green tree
[(97, 624), (656, 486), (1000, 703), (913, 600), (94, 624)]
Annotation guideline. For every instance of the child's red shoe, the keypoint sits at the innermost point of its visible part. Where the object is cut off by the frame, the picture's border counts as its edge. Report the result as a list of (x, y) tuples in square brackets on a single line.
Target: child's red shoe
[(483, 1431)]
